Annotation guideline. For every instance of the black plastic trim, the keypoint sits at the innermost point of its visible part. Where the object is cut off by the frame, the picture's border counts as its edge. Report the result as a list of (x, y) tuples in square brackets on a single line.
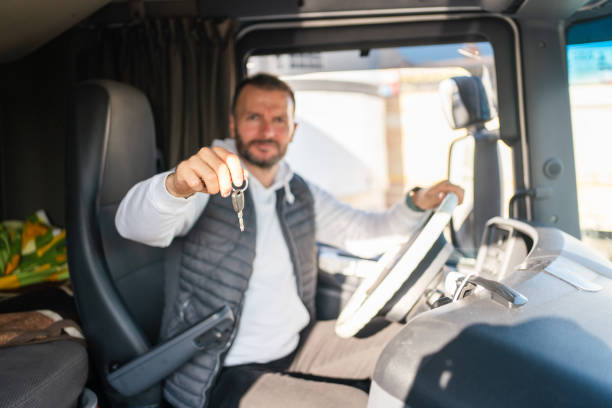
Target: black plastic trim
[(153, 366), (278, 39)]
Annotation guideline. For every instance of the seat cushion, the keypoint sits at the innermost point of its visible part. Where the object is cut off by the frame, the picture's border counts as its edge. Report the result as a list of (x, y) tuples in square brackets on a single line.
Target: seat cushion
[(49, 374)]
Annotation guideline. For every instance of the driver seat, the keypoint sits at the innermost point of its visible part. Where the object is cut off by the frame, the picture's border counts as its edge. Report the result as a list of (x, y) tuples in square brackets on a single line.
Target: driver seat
[(119, 284)]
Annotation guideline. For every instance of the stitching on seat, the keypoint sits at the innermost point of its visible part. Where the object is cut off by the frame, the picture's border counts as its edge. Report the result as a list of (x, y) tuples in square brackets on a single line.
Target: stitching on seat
[(47, 382)]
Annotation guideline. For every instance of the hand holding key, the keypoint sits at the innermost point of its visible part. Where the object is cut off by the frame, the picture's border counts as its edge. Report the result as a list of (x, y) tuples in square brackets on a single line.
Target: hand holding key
[(210, 170)]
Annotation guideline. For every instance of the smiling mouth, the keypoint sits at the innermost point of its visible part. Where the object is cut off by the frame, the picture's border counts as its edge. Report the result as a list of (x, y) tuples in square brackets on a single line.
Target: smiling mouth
[(264, 144), (260, 152)]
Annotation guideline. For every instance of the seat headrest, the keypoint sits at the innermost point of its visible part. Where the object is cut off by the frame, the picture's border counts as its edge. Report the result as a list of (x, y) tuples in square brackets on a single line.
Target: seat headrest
[(121, 115), (464, 101)]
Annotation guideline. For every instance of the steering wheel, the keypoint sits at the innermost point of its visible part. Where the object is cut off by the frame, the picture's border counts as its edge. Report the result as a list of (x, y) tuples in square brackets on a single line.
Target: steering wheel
[(395, 267)]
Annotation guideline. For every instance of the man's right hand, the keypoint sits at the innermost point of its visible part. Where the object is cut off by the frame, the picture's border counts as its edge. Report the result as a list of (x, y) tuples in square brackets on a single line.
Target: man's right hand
[(210, 170)]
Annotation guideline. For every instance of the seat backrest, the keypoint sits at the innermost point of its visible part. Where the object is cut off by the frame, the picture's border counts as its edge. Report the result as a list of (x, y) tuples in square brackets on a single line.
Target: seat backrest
[(466, 106), (118, 283)]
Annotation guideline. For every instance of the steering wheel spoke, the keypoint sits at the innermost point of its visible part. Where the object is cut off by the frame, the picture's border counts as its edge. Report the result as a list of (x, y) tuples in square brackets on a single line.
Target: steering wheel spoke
[(396, 266)]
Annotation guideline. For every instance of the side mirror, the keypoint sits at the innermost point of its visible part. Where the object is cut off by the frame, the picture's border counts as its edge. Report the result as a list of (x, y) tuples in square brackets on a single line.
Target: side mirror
[(464, 102)]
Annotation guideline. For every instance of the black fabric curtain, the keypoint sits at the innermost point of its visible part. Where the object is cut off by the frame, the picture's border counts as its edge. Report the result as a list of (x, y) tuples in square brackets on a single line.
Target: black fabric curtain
[(186, 66)]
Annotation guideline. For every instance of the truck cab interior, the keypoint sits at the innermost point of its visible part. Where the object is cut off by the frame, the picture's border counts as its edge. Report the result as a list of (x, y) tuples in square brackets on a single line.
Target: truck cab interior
[(504, 298)]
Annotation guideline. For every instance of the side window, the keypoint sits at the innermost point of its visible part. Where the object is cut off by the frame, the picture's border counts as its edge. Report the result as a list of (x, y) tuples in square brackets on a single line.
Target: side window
[(590, 84)]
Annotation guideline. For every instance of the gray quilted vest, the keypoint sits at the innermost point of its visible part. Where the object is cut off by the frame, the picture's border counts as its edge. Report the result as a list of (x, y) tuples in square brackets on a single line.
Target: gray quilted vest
[(215, 265)]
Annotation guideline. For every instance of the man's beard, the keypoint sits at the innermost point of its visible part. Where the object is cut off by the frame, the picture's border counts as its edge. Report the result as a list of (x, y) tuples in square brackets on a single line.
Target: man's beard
[(243, 151)]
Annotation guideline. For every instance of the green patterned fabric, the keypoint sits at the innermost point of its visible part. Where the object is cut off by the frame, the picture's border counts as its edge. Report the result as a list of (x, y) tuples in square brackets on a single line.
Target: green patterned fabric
[(31, 251)]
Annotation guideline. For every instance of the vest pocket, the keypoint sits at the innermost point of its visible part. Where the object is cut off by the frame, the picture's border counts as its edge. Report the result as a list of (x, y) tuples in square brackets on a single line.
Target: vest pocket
[(184, 314)]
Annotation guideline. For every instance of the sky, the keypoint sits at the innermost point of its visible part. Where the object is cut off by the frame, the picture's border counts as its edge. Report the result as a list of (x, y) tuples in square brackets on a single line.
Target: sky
[(590, 62)]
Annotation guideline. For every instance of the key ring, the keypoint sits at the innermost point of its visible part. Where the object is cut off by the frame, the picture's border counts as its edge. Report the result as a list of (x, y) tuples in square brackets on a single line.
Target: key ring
[(240, 188)]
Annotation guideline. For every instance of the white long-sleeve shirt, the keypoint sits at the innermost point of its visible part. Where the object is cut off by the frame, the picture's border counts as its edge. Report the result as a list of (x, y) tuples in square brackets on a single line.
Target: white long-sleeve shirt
[(273, 314)]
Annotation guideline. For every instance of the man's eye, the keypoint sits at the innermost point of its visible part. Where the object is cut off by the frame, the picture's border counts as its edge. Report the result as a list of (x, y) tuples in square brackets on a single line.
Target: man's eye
[(279, 120), (253, 116)]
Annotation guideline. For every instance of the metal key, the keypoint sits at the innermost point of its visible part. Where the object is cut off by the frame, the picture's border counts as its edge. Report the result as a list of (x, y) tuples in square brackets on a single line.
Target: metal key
[(238, 201)]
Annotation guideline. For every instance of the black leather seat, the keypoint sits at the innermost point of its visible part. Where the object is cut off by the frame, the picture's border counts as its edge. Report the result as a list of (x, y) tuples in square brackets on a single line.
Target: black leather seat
[(42, 375), (45, 375), (466, 106), (118, 284)]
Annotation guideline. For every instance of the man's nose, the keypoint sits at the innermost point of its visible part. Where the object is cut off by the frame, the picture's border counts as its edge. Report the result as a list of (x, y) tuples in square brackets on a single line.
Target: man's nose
[(268, 131)]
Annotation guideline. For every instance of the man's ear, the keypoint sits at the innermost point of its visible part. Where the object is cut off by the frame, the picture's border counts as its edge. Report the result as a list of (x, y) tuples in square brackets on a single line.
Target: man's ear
[(293, 133), (232, 126)]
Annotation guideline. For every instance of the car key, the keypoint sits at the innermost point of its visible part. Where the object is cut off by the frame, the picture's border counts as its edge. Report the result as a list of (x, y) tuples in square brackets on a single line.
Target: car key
[(238, 201)]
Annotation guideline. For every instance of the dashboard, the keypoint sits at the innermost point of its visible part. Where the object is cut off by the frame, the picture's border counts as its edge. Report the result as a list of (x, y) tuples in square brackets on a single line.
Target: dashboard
[(505, 244)]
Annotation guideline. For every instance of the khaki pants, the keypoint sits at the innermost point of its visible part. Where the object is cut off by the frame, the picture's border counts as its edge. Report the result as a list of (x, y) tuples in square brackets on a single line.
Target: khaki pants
[(324, 371)]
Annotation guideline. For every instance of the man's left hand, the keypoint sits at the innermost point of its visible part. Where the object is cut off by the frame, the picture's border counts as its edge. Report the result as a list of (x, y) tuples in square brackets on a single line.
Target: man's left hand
[(431, 197)]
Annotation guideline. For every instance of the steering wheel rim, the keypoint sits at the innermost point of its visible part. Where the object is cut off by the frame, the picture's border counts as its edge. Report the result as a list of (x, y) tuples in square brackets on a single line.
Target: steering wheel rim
[(396, 266)]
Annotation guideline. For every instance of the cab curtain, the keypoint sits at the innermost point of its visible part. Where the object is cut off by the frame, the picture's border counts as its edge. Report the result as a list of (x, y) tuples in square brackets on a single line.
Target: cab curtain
[(185, 66)]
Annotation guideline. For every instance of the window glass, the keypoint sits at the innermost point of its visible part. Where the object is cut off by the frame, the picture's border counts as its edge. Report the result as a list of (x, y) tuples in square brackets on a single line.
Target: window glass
[(590, 82), (371, 123)]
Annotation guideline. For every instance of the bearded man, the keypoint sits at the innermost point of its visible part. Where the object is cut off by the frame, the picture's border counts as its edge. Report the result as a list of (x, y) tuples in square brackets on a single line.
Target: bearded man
[(277, 355)]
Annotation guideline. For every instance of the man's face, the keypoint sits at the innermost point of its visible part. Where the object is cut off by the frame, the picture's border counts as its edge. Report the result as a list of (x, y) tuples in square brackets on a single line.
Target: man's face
[(262, 125)]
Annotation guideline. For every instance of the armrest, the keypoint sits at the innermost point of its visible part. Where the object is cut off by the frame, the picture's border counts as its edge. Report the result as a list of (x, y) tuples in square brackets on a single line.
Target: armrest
[(151, 367)]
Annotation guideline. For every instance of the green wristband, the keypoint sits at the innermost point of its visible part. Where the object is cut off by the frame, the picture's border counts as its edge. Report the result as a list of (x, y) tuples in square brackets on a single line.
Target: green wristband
[(410, 202)]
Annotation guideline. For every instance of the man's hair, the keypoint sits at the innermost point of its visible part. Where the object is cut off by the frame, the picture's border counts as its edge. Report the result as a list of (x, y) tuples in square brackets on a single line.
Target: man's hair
[(263, 81)]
